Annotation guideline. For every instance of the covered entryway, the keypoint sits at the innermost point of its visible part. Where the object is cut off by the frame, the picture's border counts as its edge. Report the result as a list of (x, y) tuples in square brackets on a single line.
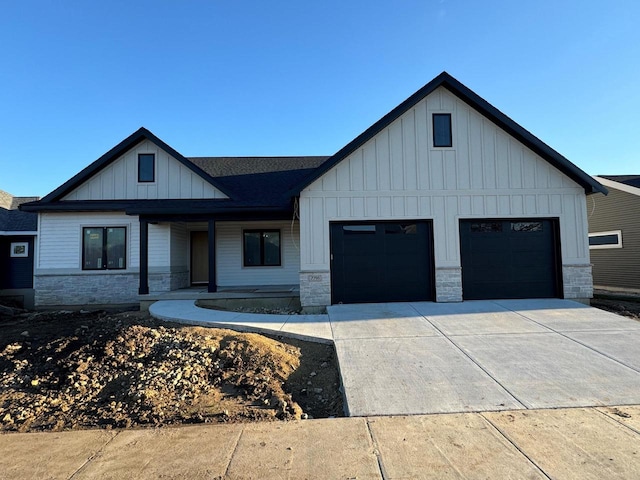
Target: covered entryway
[(514, 258), (381, 261)]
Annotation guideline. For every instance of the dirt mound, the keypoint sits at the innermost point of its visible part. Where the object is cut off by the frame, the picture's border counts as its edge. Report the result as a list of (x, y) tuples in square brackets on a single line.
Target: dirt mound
[(78, 370)]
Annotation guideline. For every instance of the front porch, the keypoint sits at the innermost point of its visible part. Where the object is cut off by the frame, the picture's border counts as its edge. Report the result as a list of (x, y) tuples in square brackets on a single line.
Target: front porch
[(216, 260)]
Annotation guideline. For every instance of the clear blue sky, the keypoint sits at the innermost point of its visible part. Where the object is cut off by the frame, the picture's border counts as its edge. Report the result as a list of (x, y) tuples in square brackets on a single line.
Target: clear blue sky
[(253, 77)]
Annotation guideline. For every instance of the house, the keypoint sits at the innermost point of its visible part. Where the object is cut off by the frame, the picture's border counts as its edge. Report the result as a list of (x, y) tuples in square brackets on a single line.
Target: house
[(445, 198), (18, 232), (614, 234)]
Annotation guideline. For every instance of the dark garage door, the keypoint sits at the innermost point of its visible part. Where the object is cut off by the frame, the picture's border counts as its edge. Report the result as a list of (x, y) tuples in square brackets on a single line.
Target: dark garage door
[(381, 262), (509, 258)]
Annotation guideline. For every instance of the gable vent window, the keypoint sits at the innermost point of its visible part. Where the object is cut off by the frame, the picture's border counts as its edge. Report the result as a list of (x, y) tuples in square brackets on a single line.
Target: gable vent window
[(442, 130), (611, 239), (146, 167)]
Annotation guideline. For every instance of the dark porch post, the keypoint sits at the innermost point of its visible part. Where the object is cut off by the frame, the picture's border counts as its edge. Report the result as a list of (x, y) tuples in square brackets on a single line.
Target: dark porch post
[(212, 256), (144, 257)]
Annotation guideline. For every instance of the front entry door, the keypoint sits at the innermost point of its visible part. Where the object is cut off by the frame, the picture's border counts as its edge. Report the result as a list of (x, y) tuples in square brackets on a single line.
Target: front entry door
[(199, 258)]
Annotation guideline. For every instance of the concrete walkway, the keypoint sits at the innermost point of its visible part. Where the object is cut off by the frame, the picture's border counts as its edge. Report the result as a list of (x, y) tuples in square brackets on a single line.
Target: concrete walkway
[(305, 327), (584, 443), (421, 358)]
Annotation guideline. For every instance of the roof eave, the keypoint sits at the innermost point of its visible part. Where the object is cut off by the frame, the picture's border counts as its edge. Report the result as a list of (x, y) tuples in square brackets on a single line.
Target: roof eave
[(623, 187), (562, 163), (147, 207)]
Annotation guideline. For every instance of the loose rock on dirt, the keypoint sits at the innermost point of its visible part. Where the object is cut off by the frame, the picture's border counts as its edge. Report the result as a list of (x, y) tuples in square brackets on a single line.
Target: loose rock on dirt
[(68, 370)]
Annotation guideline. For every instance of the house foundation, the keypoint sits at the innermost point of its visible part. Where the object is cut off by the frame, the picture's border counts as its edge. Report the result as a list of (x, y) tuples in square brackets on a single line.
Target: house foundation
[(577, 282)]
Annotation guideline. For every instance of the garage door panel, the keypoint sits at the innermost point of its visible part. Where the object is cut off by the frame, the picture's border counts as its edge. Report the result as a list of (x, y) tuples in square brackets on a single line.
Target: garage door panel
[(399, 276), (381, 262), (509, 259)]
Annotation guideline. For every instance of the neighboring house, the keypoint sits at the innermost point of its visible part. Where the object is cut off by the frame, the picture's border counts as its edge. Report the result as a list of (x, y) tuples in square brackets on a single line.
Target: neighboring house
[(614, 233), (18, 231), (445, 198)]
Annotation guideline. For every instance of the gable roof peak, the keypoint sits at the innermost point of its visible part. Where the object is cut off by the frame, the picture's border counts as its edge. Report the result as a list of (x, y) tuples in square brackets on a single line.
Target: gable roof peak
[(127, 144), (479, 104)]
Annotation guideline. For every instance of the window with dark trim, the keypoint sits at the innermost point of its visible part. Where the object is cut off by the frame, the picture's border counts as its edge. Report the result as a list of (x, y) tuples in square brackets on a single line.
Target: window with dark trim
[(526, 226), (486, 227), (104, 248), (400, 229), (611, 239), (146, 167), (261, 248), (359, 229), (442, 130)]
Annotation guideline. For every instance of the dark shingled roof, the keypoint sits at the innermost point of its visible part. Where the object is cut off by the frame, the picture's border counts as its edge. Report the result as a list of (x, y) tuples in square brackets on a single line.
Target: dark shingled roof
[(259, 181), (631, 180), (14, 220), (233, 166)]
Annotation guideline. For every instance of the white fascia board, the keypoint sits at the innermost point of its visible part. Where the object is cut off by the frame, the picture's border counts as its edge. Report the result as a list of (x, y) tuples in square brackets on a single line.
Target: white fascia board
[(618, 186), (16, 234)]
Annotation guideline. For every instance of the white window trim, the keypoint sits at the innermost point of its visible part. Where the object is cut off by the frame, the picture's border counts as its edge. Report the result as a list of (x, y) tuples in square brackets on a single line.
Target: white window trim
[(17, 245), (602, 234)]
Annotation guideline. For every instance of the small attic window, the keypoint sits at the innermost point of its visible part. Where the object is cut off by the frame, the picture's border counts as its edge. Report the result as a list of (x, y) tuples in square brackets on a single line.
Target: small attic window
[(146, 167), (442, 130)]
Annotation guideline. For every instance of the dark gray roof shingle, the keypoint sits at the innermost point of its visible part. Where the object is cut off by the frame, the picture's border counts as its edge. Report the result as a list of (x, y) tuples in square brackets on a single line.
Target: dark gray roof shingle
[(631, 180), (14, 220), (232, 166), (259, 181)]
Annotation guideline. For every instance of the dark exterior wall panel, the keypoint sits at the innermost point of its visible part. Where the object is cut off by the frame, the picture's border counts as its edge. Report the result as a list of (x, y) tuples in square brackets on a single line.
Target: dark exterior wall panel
[(16, 272), (616, 267)]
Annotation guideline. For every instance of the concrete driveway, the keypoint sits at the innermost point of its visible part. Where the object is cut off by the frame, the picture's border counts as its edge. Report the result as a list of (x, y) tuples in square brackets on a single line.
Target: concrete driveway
[(418, 358)]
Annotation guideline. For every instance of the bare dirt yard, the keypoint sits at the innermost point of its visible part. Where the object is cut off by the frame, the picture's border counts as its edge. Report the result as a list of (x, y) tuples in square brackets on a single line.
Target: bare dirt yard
[(74, 370), (628, 308)]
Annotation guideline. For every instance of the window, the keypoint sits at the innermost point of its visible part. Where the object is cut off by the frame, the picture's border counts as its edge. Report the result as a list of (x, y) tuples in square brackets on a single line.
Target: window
[(261, 248), (19, 249), (359, 229), (486, 227), (103, 248), (526, 226), (146, 167), (400, 229), (442, 130), (600, 240)]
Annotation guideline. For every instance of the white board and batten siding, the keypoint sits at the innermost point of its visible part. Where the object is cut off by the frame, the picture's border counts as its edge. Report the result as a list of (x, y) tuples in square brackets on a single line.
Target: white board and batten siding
[(119, 180), (399, 174)]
